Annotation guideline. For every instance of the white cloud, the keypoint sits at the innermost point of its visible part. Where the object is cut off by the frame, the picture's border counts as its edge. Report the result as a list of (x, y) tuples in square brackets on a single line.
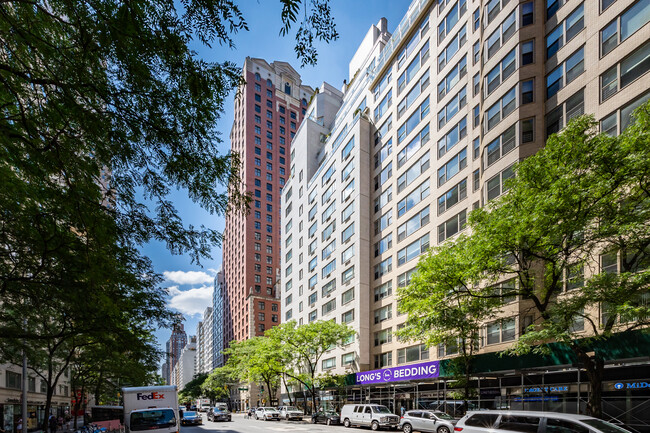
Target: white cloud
[(191, 302), (189, 277)]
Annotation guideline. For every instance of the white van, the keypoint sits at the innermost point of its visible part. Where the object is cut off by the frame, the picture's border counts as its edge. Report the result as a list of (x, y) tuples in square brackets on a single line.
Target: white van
[(374, 416)]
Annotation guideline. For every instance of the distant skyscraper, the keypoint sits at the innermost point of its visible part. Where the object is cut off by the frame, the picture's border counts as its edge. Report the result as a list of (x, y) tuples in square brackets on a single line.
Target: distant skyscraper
[(174, 347)]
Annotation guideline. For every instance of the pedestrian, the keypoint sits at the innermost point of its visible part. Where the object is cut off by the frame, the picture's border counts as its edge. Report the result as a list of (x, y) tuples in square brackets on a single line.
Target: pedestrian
[(402, 410), (19, 427), (52, 422)]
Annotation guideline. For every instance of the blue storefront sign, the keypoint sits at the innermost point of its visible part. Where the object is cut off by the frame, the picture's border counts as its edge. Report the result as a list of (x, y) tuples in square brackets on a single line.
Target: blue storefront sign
[(424, 370)]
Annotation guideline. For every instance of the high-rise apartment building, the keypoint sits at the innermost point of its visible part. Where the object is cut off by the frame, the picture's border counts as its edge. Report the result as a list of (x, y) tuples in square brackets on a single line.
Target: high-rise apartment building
[(174, 347), (428, 129), (218, 343), (268, 111), (205, 342)]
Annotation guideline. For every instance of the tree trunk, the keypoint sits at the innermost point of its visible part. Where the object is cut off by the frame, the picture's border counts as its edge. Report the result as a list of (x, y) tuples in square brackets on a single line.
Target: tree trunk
[(313, 399), (467, 366), (284, 380), (594, 368)]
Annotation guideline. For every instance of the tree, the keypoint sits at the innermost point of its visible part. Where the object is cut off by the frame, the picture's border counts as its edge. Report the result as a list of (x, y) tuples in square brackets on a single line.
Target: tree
[(439, 310), (302, 348), (217, 385), (194, 388), (577, 205), (257, 359)]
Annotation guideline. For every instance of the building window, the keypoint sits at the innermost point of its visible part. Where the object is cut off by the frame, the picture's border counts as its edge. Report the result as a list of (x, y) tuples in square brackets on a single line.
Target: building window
[(565, 73), (610, 124), (415, 197), (564, 32), (558, 117), (383, 313), (496, 185), (450, 198), (383, 268), (383, 337), (384, 360), (418, 352), (347, 359), (347, 317), (450, 20), (501, 331), (627, 71), (452, 226), (413, 250), (624, 26), (13, 380), (329, 363), (457, 163)]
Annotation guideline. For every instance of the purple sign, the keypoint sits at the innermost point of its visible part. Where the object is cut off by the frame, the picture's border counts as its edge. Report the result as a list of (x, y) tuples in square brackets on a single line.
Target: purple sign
[(423, 370)]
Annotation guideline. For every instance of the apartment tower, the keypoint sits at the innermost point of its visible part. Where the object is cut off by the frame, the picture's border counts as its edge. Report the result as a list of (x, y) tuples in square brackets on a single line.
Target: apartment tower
[(428, 128), (268, 111)]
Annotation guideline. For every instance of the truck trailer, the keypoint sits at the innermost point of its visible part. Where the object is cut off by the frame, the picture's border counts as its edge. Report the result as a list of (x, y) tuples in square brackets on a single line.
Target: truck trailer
[(151, 408)]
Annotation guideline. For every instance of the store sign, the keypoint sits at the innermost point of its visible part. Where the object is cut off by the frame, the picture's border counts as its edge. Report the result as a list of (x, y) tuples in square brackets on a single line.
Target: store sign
[(631, 385), (424, 370), (547, 389)]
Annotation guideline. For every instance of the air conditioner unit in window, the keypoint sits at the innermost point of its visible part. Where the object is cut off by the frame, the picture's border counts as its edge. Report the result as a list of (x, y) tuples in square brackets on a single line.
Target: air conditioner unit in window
[(328, 218), (346, 198), (347, 240), (347, 262), (347, 219)]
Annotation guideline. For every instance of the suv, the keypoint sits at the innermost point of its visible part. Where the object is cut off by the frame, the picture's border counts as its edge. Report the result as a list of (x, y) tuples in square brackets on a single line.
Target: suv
[(290, 412), (375, 416), (427, 421), (219, 413), (533, 422), (267, 413)]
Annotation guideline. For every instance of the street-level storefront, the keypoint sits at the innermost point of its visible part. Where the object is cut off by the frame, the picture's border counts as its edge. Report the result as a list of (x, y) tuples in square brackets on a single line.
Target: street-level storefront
[(11, 410), (553, 382)]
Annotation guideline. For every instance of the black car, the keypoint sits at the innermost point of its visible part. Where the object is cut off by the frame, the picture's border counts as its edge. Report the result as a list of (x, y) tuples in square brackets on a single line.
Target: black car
[(191, 418), (326, 417), (219, 414)]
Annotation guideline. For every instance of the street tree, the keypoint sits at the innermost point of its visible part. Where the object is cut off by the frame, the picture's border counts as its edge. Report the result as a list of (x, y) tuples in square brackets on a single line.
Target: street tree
[(217, 385), (572, 231), (302, 348), (257, 359), (193, 389), (439, 311)]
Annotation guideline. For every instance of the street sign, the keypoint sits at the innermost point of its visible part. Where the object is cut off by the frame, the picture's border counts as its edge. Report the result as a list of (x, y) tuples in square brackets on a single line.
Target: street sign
[(243, 389)]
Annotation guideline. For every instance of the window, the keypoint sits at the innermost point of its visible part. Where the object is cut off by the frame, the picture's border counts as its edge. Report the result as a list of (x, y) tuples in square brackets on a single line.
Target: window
[(383, 176), (347, 359), (384, 336), (382, 85), (452, 226), (347, 149), (313, 315), (564, 32), (452, 167), (347, 254), (328, 174), (412, 43), (456, 104), (383, 313), (413, 121), (413, 69), (13, 380), (383, 291), (554, 425), (574, 277), (347, 233), (500, 146), (624, 26), (501, 331), (501, 35), (476, 83), (507, 104), (565, 73), (312, 264), (412, 225), (452, 48), (329, 363), (347, 171), (418, 352), (328, 307), (384, 105), (412, 148), (328, 288), (347, 191), (328, 193), (628, 70), (383, 267), (348, 316), (453, 136), (573, 106), (496, 185), (482, 420), (476, 52), (477, 19), (451, 197), (413, 172), (409, 99), (327, 213), (347, 275), (501, 72), (476, 146), (347, 212), (610, 123), (313, 281), (347, 296), (452, 78), (329, 268), (383, 153), (384, 360), (450, 20), (415, 197), (413, 250), (384, 244)]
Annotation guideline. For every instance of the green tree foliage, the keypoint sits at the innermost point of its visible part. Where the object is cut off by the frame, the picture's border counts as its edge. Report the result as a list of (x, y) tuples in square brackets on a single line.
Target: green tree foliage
[(302, 348), (579, 204), (258, 360), (217, 385), (104, 111), (193, 389)]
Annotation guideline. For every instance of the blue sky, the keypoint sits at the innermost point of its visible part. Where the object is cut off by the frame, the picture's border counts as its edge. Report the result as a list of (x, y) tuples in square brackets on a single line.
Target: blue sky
[(191, 285)]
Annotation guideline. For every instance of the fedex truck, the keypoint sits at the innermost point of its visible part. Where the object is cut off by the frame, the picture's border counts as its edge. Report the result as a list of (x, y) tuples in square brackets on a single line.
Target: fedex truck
[(151, 408)]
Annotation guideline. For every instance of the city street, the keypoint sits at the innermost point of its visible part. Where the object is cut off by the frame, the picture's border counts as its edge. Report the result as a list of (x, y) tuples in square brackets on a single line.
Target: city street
[(241, 425)]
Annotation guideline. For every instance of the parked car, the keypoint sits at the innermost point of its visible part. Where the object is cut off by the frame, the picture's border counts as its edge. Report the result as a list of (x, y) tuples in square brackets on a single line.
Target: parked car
[(191, 418), (374, 416), (219, 413), (267, 413), (533, 422), (326, 417), (290, 412), (427, 421)]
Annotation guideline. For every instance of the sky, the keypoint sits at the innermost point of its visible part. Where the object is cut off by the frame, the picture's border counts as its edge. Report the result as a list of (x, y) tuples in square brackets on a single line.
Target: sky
[(190, 285)]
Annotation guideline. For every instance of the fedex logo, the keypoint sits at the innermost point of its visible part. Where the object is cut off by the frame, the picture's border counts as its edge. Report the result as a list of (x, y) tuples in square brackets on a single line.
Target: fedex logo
[(152, 396)]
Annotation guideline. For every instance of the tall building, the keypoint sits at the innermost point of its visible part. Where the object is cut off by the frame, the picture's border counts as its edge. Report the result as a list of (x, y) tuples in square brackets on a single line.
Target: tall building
[(174, 347), (204, 342), (267, 113), (218, 335), (427, 129), (185, 368)]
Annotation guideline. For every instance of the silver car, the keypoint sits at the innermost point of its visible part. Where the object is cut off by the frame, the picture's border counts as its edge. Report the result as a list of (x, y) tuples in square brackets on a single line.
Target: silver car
[(427, 421), (267, 413), (290, 412)]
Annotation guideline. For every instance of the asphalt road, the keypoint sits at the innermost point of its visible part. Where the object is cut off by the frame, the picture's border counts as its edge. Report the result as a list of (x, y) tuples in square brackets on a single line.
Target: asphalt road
[(241, 425)]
